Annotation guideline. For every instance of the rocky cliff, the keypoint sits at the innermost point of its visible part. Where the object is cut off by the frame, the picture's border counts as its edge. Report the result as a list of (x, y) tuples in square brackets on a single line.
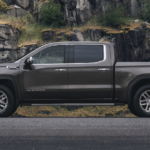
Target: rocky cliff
[(132, 43), (75, 11)]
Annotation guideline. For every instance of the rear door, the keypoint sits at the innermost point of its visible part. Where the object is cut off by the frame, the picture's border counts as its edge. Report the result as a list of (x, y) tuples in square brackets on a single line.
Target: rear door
[(47, 80), (90, 74)]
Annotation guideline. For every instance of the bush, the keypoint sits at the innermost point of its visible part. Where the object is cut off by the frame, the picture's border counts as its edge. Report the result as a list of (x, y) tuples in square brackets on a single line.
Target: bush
[(51, 14), (144, 12), (3, 6), (114, 17)]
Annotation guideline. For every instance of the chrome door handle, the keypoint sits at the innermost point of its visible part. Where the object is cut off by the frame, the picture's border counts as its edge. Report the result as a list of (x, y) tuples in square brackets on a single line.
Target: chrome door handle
[(60, 69), (103, 69)]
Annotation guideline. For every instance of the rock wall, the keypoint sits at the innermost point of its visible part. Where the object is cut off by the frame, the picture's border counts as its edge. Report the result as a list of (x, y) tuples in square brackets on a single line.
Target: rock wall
[(75, 12), (130, 44), (8, 42)]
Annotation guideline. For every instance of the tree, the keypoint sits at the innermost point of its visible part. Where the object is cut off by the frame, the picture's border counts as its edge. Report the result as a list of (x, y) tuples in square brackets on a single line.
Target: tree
[(51, 14)]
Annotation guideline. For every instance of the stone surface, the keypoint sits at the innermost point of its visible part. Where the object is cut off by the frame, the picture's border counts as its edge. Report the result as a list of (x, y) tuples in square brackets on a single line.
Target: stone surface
[(9, 2), (134, 8), (78, 36), (23, 3), (76, 11), (37, 11), (35, 3), (8, 37), (48, 35), (8, 42), (16, 11), (25, 49)]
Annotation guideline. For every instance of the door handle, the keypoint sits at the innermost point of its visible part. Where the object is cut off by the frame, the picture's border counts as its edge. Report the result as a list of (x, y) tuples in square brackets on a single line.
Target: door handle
[(103, 69), (60, 69)]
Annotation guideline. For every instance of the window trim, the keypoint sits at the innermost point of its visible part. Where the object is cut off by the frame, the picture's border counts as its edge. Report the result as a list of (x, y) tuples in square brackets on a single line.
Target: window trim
[(104, 54)]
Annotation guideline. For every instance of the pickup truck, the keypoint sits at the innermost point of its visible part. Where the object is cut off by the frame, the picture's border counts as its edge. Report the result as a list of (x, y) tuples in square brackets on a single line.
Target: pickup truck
[(74, 73)]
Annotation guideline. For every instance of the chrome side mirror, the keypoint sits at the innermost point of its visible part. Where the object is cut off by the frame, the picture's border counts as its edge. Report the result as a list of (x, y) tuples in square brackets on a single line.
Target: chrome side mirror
[(29, 61)]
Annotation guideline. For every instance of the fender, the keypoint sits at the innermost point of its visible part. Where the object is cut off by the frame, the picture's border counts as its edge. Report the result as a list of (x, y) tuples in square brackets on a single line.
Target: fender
[(132, 85), (15, 86)]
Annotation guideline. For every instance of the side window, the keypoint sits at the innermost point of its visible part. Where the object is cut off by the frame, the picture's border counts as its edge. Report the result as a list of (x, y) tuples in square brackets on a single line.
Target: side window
[(88, 53), (50, 55)]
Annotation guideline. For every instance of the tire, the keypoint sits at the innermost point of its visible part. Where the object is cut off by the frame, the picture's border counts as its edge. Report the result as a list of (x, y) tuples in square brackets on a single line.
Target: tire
[(141, 103), (7, 102)]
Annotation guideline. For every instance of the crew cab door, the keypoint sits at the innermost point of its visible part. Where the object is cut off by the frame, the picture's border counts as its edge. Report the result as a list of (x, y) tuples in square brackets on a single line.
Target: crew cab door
[(90, 74), (46, 79)]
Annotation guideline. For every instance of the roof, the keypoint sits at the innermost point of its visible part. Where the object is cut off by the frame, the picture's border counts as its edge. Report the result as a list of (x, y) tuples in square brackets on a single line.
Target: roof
[(82, 42)]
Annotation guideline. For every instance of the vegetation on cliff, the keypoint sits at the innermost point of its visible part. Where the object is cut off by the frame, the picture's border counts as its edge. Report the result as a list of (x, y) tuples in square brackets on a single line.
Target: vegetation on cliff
[(3, 6), (114, 17), (144, 11), (51, 14)]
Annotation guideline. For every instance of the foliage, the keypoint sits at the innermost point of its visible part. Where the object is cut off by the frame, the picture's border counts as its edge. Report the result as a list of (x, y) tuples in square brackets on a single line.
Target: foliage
[(144, 11), (114, 17), (51, 14), (3, 6)]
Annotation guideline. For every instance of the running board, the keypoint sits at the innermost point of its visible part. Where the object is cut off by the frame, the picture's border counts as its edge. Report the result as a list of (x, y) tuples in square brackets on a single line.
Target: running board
[(74, 104)]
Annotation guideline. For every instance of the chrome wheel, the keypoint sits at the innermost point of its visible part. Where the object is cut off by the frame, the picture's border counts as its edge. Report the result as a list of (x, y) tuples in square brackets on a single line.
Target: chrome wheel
[(145, 101), (3, 101)]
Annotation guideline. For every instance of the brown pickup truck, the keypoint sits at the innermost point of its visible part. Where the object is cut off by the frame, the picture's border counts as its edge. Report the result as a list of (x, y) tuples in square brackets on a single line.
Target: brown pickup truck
[(74, 73)]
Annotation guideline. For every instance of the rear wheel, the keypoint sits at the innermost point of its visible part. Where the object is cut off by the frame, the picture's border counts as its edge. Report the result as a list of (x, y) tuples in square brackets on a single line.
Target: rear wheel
[(7, 102), (141, 101)]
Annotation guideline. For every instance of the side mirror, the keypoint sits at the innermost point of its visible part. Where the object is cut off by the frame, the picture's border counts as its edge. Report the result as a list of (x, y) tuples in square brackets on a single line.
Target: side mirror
[(29, 61)]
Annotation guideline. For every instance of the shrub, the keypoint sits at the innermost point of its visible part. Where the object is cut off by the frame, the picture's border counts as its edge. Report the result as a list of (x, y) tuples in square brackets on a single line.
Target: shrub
[(51, 14), (144, 11), (3, 6), (114, 17)]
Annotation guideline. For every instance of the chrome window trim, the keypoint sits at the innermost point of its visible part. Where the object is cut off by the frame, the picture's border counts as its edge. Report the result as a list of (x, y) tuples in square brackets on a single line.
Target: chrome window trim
[(53, 44), (104, 49)]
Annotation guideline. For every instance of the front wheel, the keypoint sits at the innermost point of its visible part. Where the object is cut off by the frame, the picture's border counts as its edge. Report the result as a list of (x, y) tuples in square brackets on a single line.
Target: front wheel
[(141, 101), (7, 102)]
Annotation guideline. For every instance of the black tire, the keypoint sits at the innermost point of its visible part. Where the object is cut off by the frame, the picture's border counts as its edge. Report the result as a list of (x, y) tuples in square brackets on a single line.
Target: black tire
[(10, 107), (136, 103)]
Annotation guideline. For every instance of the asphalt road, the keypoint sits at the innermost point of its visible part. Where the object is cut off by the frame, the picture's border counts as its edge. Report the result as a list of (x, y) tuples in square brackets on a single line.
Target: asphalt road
[(75, 134)]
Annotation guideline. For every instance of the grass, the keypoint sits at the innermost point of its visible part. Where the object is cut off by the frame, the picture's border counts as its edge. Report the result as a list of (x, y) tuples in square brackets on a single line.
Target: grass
[(88, 111)]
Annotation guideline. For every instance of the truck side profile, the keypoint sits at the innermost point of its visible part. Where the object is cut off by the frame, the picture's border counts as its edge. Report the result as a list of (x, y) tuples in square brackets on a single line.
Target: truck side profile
[(74, 73)]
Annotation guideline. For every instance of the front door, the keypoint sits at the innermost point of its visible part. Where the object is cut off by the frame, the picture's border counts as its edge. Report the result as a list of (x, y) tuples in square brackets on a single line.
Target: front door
[(90, 74), (47, 78)]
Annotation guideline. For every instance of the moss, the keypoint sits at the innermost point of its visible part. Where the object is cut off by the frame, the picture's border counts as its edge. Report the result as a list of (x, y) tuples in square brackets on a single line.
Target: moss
[(23, 45), (41, 1), (3, 6), (45, 30), (115, 32)]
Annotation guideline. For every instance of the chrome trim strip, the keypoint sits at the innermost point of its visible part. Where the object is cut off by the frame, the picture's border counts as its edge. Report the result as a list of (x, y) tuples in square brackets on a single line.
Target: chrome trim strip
[(76, 104), (104, 48)]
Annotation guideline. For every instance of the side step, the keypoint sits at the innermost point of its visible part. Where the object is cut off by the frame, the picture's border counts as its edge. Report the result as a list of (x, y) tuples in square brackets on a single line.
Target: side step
[(74, 104)]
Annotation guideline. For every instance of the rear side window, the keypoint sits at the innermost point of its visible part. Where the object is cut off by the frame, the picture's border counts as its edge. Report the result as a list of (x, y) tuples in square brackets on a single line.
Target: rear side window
[(88, 53)]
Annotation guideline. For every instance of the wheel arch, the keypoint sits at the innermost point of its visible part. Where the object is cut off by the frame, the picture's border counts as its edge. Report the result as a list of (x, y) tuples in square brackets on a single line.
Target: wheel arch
[(135, 85), (11, 84)]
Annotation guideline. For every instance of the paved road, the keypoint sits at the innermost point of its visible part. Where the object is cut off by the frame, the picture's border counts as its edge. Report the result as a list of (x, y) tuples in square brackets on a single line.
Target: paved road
[(75, 134)]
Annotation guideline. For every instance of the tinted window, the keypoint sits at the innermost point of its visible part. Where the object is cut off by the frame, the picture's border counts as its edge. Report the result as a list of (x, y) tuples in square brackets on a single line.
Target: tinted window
[(88, 53), (50, 55)]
